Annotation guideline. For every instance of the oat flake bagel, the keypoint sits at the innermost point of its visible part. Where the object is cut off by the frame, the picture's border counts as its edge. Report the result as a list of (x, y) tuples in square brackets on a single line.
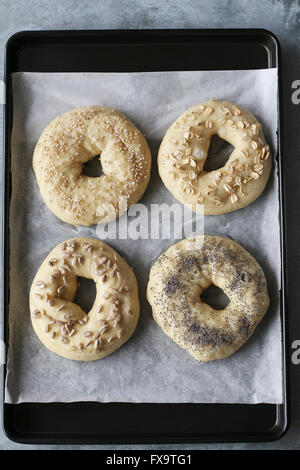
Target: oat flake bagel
[(73, 139), (183, 272), (184, 149), (62, 326)]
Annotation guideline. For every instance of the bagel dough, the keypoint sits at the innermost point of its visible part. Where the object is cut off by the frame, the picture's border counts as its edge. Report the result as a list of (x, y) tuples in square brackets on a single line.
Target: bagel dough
[(183, 272), (76, 137), (183, 152), (62, 326)]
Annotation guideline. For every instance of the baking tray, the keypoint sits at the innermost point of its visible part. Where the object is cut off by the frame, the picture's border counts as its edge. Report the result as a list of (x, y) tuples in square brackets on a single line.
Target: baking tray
[(140, 51)]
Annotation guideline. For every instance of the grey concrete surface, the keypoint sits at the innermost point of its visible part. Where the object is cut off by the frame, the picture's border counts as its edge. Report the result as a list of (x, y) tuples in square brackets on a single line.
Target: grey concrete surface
[(279, 16)]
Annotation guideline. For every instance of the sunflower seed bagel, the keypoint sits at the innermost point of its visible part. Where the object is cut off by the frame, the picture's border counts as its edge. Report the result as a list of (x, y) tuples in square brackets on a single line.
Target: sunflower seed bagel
[(76, 137), (184, 149), (183, 272), (61, 325)]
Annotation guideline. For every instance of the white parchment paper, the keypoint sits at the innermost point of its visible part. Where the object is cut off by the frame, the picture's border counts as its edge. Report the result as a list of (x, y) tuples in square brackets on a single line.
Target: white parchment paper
[(150, 367)]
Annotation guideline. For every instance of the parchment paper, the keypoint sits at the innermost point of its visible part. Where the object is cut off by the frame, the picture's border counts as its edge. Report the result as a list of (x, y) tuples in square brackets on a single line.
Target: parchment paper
[(150, 367)]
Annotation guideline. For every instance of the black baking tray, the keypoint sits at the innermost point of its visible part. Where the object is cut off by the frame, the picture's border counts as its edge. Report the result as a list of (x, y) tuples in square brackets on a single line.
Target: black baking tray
[(140, 51)]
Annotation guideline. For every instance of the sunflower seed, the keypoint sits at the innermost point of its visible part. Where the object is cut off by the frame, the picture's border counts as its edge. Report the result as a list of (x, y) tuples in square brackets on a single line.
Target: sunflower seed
[(36, 314), (255, 175), (230, 168), (60, 290), (236, 110), (103, 329), (224, 110), (67, 316), (119, 334), (117, 320), (227, 188), (234, 198), (208, 111), (101, 271), (40, 284), (97, 344)]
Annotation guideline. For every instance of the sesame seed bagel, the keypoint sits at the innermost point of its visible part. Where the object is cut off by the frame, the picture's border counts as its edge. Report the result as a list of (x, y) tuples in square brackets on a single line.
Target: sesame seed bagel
[(183, 272), (76, 137), (61, 325), (184, 149)]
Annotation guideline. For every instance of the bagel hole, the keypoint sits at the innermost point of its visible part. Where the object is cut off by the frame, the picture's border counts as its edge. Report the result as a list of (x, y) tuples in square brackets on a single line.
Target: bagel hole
[(218, 153), (85, 294), (215, 297), (92, 167)]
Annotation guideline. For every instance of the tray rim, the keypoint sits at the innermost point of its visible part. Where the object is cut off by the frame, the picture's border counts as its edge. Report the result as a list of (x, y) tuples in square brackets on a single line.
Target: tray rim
[(284, 406)]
